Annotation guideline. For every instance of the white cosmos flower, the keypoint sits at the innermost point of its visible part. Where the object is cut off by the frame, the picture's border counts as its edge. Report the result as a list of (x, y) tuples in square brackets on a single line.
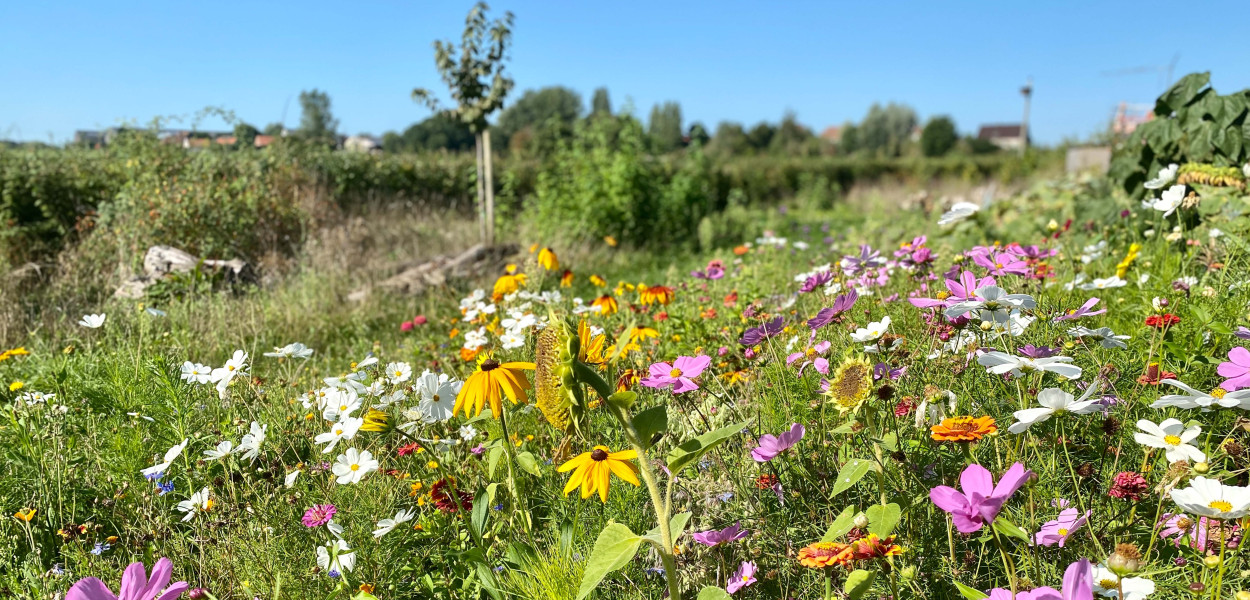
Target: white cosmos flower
[(170, 456), (369, 361), (475, 338), (437, 395), (294, 350), (222, 450), (249, 446), (1103, 335), (237, 365), (511, 340), (958, 212), (398, 372), (467, 433), (199, 502), (1171, 200), (335, 556), (385, 526), (352, 466), (1173, 437), (339, 404), (1166, 175), (1106, 583), (999, 363), (1103, 284), (345, 429), (1218, 398), (991, 303), (1210, 498), (351, 381), (33, 397), (92, 321), (196, 372), (1053, 401), (874, 331), (519, 321), (290, 478)]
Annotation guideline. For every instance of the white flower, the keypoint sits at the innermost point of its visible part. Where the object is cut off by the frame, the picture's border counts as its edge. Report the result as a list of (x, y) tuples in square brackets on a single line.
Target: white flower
[(991, 303), (1104, 284), (1054, 400), (199, 502), (354, 465), (1106, 583), (511, 340), (335, 556), (345, 429), (351, 381), (437, 395), (340, 404), (1218, 398), (1210, 498), (1170, 200), (1173, 437), (31, 398), (170, 456), (467, 433), (1093, 252), (290, 478), (237, 365), (874, 331), (1166, 175), (196, 372), (398, 372), (295, 350), (92, 321), (249, 446), (369, 361), (475, 338), (999, 363), (958, 212), (385, 526), (1215, 233), (222, 450), (518, 321), (1103, 335)]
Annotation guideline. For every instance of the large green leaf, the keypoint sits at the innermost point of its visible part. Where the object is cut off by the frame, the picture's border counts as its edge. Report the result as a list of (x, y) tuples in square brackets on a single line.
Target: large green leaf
[(614, 548), (851, 473), (691, 450), (883, 518), (713, 593), (676, 526), (1181, 93), (526, 461), (971, 593), (650, 422), (858, 583), (840, 525), (1009, 529)]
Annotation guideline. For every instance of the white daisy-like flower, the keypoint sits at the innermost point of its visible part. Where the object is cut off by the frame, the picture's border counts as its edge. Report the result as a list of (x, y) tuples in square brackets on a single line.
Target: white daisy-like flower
[(199, 502), (398, 372), (340, 403), (1217, 398), (1054, 401), (1169, 201), (385, 526), (1000, 363), (1173, 437), (1103, 335), (1210, 498), (249, 446), (336, 556), (1166, 175), (344, 429), (92, 321), (436, 396), (196, 373), (873, 331), (223, 449), (1107, 584), (958, 212), (293, 350), (353, 465), (170, 456), (991, 303), (1106, 283)]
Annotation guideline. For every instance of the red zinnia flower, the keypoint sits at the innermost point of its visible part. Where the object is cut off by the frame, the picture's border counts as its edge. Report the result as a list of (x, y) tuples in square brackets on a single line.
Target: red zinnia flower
[(1154, 375), (1162, 321), (766, 481), (1129, 486), (441, 494), (407, 449)]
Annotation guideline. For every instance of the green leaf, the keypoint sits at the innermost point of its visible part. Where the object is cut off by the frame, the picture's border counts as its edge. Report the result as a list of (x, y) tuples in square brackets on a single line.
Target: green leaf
[(858, 583), (1007, 528), (650, 422), (713, 593), (1181, 93), (526, 461), (492, 460), (623, 399), (851, 473), (691, 450), (971, 593), (844, 523), (676, 526), (481, 506), (487, 578), (883, 518), (614, 548), (889, 441)]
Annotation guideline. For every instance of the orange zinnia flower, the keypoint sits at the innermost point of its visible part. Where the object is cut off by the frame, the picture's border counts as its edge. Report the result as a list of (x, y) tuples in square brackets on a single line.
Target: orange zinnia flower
[(963, 429), (825, 554)]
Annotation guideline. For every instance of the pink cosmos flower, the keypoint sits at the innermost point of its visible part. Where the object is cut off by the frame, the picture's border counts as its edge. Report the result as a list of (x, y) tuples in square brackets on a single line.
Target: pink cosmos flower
[(770, 445), (1078, 584), (1083, 311), (812, 355), (961, 289), (135, 585), (981, 500), (715, 537), (1058, 530), (1236, 371), (1002, 263), (743, 578), (680, 375)]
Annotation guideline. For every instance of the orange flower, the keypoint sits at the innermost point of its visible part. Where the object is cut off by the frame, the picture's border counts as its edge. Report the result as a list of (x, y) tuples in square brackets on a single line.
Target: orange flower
[(566, 280), (468, 355), (825, 554), (963, 429), (628, 379), (874, 547), (606, 303), (740, 250), (655, 294), (609, 240)]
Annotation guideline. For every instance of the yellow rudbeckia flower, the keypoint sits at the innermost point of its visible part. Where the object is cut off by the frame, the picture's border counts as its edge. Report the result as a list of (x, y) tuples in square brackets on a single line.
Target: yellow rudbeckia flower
[(489, 384), (592, 471)]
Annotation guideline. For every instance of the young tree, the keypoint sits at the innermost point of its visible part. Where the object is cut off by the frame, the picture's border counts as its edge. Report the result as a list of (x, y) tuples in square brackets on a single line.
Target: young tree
[(698, 134), (478, 85), (938, 136), (664, 127), (316, 122), (600, 104)]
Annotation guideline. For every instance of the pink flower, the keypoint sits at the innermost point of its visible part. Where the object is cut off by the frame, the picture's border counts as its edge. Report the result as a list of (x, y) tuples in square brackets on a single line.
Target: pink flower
[(135, 585), (680, 375), (715, 537), (981, 500), (961, 289), (743, 578), (812, 356), (1083, 311), (1236, 371), (1078, 584), (1058, 530), (319, 515), (1002, 263), (419, 320), (770, 446), (406, 326)]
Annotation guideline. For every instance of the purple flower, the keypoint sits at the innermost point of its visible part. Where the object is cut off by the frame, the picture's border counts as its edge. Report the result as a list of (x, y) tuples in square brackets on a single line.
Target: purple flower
[(319, 515), (680, 375), (826, 316), (743, 578), (135, 585), (1083, 311), (1236, 372), (1058, 530), (981, 500), (1242, 333), (812, 356), (1078, 584), (715, 537), (1032, 351), (962, 288), (882, 370), (867, 259), (816, 282), (755, 335), (770, 446), (1033, 252), (1002, 263)]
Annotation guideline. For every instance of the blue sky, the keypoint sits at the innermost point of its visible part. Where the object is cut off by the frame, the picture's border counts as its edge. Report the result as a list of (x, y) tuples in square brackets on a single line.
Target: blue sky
[(82, 65)]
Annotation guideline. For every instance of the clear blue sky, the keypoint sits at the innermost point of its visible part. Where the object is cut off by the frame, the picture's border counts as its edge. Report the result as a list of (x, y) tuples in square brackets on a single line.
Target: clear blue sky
[(88, 64)]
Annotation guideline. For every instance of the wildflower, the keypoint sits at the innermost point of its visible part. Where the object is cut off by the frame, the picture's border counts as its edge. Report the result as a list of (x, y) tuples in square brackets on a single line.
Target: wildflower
[(1058, 531), (199, 502), (196, 373), (873, 332), (1103, 335), (959, 290), (1129, 485), (841, 304), (385, 526), (1162, 321), (745, 576), (249, 446), (1104, 284), (92, 321), (16, 385), (1054, 400), (981, 500), (223, 449), (547, 259), (135, 585), (223, 375), (353, 465), (1083, 311), (1173, 437), (873, 546), (25, 515), (606, 304), (1000, 363), (339, 404), (1107, 583), (770, 446), (680, 374), (812, 356), (1166, 175), (1236, 370), (344, 429), (991, 303), (170, 456), (295, 350), (441, 495), (963, 429), (566, 279), (377, 421), (1211, 498), (1003, 263), (1154, 375), (334, 557), (754, 335), (508, 283), (655, 294), (716, 537), (318, 515), (958, 212), (436, 394), (1077, 585), (850, 385), (1168, 202), (489, 384), (591, 470), (1217, 398), (825, 554)]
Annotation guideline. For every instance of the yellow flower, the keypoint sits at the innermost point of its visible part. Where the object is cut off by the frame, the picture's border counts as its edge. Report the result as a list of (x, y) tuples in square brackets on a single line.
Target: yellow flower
[(378, 421), (591, 345), (509, 283), (655, 294), (489, 384), (638, 334), (26, 514), (547, 259), (566, 279), (609, 240), (16, 385), (432, 464), (598, 281), (592, 471), (607, 304), (850, 385)]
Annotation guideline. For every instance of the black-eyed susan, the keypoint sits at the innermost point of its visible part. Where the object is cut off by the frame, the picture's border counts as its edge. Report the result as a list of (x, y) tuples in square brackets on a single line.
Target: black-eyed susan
[(26, 514), (508, 283), (606, 304), (592, 344), (598, 281), (377, 421), (547, 259), (490, 383), (566, 279), (592, 471), (655, 294)]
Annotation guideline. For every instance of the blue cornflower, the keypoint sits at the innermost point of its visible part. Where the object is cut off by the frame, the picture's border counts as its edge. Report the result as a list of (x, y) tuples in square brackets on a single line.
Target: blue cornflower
[(165, 487), (154, 476), (100, 548), (334, 574)]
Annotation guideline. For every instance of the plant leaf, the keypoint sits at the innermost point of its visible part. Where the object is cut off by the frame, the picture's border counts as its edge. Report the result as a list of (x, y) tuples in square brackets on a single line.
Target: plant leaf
[(713, 593), (858, 583), (851, 473), (971, 593), (614, 548), (650, 422), (676, 526), (844, 523), (527, 462), (691, 450), (1007, 528), (883, 518)]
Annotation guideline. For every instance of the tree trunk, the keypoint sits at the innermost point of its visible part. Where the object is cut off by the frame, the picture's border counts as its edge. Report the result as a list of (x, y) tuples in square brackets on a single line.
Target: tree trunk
[(481, 195), (490, 190)]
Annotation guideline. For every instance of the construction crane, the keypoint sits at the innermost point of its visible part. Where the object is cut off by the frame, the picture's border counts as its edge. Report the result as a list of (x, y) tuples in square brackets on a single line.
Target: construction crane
[(1165, 72)]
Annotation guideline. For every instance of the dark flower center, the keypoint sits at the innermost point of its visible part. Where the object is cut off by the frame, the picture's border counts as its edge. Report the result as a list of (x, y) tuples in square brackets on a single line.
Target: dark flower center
[(599, 455), (490, 364)]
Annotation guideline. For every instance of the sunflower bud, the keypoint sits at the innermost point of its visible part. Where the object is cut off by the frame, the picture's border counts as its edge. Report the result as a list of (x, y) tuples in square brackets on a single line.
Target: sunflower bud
[(377, 421)]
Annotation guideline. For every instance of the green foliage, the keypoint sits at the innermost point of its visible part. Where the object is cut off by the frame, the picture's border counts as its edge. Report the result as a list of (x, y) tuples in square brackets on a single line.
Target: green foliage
[(664, 127), (441, 131), (600, 103), (553, 108), (792, 138), (729, 139), (850, 474), (689, 452), (614, 548), (476, 77), (317, 123), (938, 136), (886, 129)]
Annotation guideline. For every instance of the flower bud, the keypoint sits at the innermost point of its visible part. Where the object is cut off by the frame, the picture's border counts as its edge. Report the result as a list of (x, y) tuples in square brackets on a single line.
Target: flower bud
[(1125, 560), (861, 521), (986, 326), (1212, 562), (908, 573), (1202, 468)]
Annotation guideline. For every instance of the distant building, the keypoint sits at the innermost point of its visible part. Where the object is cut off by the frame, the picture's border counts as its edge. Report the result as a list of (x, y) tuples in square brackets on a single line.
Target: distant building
[(832, 134), (1129, 116), (264, 140), (361, 143), (89, 138), (1005, 136)]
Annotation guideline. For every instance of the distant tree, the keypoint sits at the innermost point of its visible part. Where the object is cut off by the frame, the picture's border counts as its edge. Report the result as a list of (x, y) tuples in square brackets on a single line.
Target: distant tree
[(730, 139), (439, 132), (536, 107), (791, 137), (849, 141), (316, 122), (600, 103), (698, 134), (245, 135), (393, 142), (664, 127), (274, 129), (938, 137), (979, 146), (885, 129), (760, 137)]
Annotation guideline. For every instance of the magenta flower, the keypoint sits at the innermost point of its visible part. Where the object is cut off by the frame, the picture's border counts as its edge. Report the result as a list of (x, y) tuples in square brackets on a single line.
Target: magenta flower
[(1083, 311), (743, 578), (1058, 530), (135, 585), (755, 335), (812, 355), (981, 500), (1236, 371), (961, 289), (1078, 584), (715, 537), (826, 316), (1002, 263), (319, 515), (770, 446), (680, 375)]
